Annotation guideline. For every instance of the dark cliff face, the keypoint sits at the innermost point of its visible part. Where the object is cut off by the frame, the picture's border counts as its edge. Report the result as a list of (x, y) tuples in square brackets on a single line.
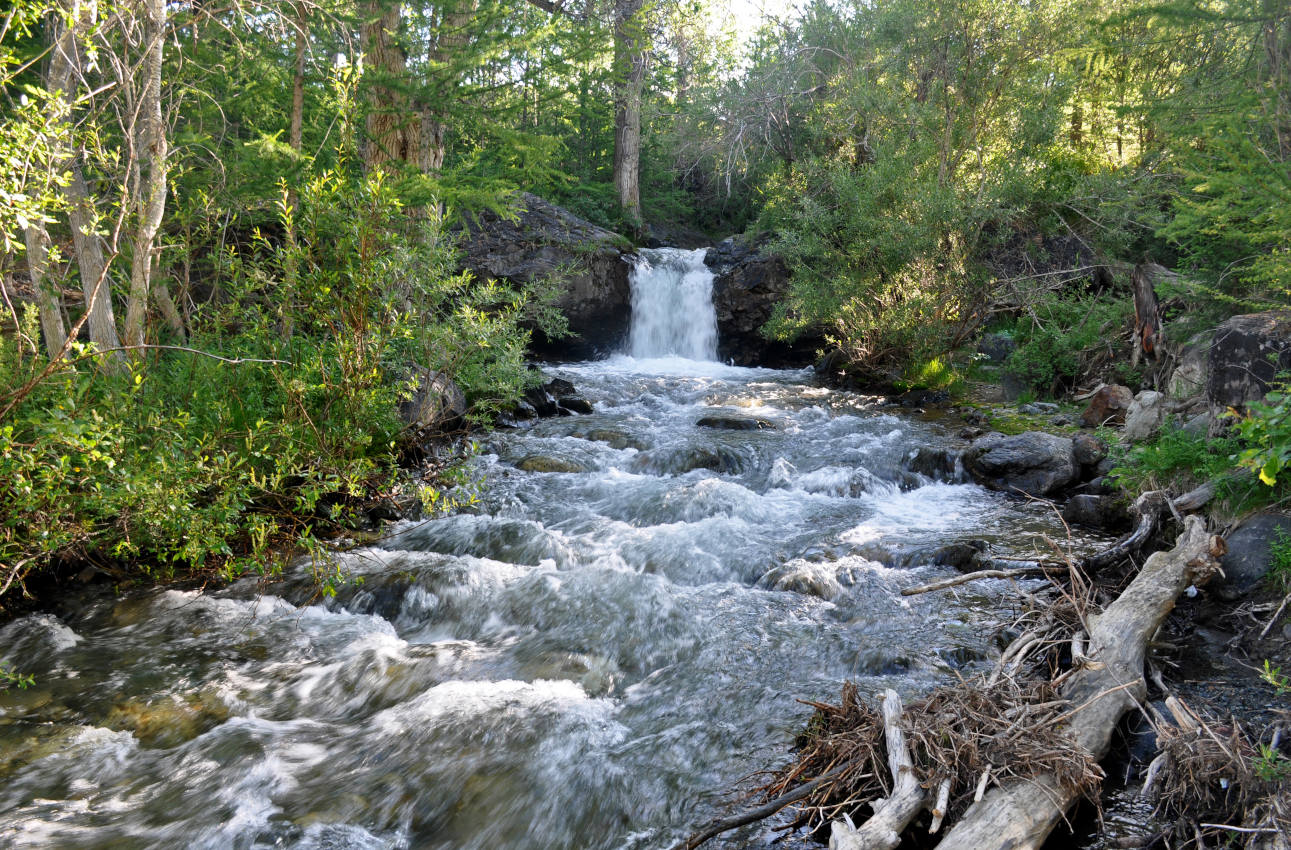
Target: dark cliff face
[(545, 239), (747, 285)]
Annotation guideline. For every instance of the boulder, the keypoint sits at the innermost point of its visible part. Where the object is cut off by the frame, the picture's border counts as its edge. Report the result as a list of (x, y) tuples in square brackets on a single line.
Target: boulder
[(1107, 406), (747, 285), (543, 240), (1192, 372), (1247, 353), (1103, 512), (614, 438), (1034, 462), (1250, 554), (437, 405), (997, 347), (965, 556), (1145, 416)]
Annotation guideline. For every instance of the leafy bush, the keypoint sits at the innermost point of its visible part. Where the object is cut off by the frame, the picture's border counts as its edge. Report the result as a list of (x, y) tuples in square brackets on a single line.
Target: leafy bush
[(190, 464), (1266, 430), (1059, 335), (1175, 459)]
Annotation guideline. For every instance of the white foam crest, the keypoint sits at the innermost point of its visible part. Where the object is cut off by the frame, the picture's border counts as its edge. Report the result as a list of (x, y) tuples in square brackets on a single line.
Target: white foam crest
[(471, 699), (932, 509), (672, 305)]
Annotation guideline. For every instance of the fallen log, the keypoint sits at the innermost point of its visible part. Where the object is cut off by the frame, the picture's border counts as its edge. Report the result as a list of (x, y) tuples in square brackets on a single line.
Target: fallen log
[(1020, 815), (954, 581), (891, 816), (1150, 506)]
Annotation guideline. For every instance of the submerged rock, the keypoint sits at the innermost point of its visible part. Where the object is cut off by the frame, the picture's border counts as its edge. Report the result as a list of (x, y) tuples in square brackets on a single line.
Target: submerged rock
[(548, 463), (1034, 462), (805, 577), (736, 423), (614, 438)]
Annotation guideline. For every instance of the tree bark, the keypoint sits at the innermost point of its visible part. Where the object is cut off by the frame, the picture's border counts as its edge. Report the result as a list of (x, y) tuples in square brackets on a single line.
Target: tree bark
[(63, 75), (454, 31), (1147, 311), (392, 132), (631, 58), (295, 134), (151, 149), (48, 301), (1020, 815)]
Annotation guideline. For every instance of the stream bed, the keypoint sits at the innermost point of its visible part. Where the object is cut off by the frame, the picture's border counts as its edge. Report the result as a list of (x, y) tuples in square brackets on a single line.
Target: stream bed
[(592, 657)]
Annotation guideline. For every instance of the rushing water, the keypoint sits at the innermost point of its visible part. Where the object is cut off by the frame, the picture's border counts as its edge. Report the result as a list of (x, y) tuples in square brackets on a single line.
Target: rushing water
[(589, 660)]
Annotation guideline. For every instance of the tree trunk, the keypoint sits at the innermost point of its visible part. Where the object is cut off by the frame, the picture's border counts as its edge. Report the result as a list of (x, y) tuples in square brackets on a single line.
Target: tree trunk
[(392, 131), (1147, 312), (48, 300), (454, 31), (94, 269), (295, 135), (151, 149), (631, 57)]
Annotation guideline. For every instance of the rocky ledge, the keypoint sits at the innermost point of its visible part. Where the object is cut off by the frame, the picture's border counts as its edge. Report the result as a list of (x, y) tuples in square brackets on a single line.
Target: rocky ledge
[(544, 240)]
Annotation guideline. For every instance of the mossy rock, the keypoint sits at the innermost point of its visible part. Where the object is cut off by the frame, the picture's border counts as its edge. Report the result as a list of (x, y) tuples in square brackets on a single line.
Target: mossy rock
[(548, 463)]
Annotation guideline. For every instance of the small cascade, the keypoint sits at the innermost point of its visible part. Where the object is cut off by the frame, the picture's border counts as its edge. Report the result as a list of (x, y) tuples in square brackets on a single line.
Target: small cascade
[(672, 305)]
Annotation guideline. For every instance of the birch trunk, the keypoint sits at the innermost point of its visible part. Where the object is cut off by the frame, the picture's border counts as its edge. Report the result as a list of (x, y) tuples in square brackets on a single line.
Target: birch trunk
[(152, 152), (48, 301)]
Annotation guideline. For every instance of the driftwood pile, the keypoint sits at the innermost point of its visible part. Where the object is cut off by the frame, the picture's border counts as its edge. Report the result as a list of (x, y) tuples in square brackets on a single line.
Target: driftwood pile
[(1001, 759)]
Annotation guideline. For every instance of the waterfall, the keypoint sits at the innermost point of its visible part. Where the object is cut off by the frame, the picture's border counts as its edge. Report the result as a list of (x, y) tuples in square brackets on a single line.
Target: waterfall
[(672, 305)]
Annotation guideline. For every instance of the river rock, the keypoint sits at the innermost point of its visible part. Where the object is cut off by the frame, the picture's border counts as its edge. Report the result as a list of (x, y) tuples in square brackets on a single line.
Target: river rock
[(1103, 512), (680, 461), (747, 286), (937, 464), (437, 405), (1034, 462), (1089, 449), (542, 241), (1145, 416), (805, 577), (1247, 353), (735, 423), (1250, 554), (1107, 406), (614, 438), (549, 463), (965, 556)]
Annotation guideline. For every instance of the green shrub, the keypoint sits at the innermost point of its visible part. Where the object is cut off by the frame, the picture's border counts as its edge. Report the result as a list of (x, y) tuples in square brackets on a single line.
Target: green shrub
[(1174, 459), (190, 465), (1059, 335)]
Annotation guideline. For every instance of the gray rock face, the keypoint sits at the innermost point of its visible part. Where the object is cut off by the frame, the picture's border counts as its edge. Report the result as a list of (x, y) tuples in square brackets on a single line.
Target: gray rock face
[(747, 285), (1250, 554), (543, 240), (1190, 376), (1034, 463), (437, 405), (1145, 416), (1248, 351), (1095, 511)]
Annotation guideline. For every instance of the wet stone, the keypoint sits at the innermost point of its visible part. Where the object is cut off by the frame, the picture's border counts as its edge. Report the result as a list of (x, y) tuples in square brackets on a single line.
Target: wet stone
[(615, 439), (735, 423), (548, 463)]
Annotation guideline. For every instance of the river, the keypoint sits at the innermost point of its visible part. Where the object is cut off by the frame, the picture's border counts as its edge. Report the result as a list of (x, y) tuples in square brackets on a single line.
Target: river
[(591, 658)]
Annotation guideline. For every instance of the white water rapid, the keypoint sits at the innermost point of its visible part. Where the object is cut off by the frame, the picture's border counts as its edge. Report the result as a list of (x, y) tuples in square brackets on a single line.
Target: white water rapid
[(588, 659), (672, 305)]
